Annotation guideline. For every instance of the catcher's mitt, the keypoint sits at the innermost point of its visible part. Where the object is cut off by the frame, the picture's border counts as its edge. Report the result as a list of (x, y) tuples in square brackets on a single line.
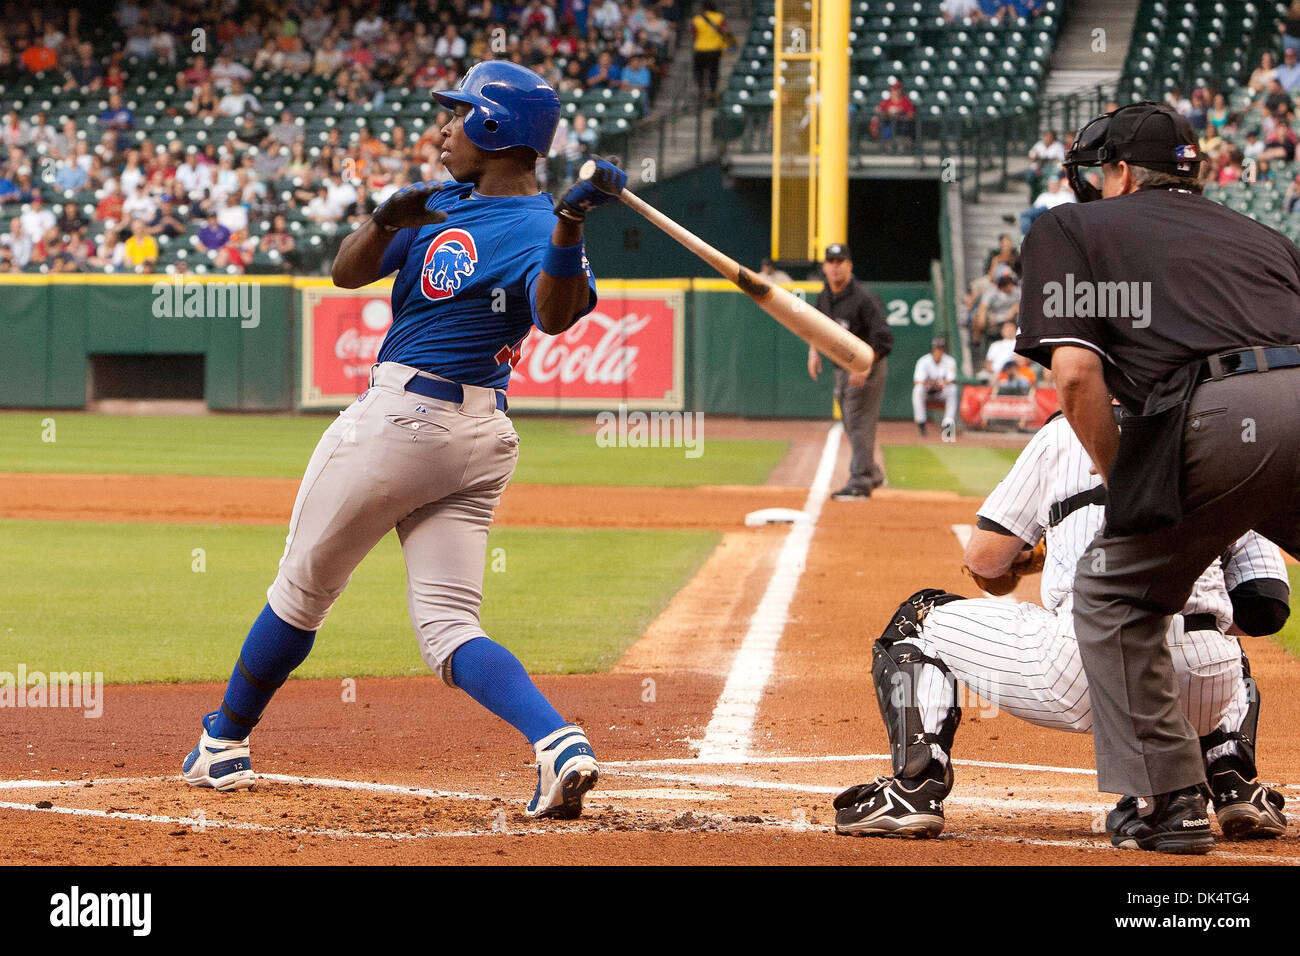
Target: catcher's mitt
[(1005, 583)]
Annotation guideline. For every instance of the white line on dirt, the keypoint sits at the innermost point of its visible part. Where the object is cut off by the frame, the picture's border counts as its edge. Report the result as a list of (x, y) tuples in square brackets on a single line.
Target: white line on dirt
[(84, 782), (712, 822), (748, 783), (732, 725), (375, 787), (834, 758)]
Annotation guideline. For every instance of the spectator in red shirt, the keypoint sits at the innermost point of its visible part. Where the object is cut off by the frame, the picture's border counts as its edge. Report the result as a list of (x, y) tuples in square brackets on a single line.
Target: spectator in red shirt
[(114, 80), (38, 58), (110, 207), (897, 115), (197, 74)]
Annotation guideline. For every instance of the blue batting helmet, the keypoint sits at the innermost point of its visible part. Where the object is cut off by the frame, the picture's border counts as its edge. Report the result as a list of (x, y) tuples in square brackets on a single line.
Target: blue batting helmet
[(510, 105)]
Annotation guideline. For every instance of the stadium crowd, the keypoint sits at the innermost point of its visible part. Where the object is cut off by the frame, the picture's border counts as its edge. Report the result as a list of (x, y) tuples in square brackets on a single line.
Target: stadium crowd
[(109, 190), (1249, 133)]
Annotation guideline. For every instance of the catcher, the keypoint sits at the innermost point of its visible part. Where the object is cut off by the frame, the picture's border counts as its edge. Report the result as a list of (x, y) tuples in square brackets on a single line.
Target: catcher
[(1024, 657)]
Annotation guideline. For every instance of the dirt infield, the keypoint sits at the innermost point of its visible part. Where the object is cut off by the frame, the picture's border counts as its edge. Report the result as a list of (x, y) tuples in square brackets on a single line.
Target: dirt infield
[(412, 772)]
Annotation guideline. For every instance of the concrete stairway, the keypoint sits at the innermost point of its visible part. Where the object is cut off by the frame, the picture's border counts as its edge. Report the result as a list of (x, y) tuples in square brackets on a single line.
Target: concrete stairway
[(687, 128), (1074, 65), (1075, 62)]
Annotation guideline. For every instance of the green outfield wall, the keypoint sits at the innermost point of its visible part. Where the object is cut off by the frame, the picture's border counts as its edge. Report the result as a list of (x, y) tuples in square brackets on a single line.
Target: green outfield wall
[(249, 334), (49, 329)]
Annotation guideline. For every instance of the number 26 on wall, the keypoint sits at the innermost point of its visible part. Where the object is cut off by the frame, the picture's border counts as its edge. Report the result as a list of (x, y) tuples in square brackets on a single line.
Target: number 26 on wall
[(921, 312)]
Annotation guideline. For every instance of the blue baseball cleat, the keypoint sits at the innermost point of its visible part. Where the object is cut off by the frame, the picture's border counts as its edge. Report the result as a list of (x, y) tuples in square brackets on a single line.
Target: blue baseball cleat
[(566, 770), (219, 764)]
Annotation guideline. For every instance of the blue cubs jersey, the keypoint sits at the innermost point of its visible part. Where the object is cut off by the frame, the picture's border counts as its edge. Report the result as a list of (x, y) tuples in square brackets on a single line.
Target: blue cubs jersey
[(463, 299)]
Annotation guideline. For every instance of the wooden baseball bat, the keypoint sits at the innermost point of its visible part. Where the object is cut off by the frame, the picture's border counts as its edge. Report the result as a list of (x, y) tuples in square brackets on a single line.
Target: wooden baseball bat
[(813, 326)]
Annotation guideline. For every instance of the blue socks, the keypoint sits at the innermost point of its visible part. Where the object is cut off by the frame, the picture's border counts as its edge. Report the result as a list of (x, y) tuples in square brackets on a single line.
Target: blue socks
[(485, 670), (494, 677), (270, 653)]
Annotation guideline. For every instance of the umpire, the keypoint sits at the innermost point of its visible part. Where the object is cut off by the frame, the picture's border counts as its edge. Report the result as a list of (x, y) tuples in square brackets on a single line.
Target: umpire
[(852, 304), (1189, 314)]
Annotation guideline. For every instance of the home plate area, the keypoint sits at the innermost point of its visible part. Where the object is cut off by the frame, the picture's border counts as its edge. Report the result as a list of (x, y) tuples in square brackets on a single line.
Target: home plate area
[(1000, 813)]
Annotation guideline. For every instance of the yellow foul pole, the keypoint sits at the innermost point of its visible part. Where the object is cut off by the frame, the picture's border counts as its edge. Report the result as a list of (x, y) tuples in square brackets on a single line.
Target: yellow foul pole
[(833, 126)]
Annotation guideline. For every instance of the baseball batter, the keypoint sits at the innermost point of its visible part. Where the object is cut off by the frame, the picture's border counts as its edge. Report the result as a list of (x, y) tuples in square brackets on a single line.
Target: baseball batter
[(428, 448), (1024, 657)]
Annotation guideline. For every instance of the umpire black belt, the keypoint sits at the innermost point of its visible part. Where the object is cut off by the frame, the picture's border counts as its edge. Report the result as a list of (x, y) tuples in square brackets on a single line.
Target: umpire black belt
[(447, 391), (1261, 358)]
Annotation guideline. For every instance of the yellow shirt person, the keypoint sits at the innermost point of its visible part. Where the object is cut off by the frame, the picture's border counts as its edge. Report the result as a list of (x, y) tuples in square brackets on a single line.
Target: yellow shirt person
[(710, 28), (141, 249), (711, 38)]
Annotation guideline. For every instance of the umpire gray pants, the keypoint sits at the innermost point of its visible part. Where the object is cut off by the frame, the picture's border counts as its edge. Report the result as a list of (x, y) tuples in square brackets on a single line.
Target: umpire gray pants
[(860, 409), (1241, 470)]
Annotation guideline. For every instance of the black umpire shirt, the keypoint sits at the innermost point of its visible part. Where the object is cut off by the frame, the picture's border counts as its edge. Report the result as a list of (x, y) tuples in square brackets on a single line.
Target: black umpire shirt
[(1151, 281), (858, 309)]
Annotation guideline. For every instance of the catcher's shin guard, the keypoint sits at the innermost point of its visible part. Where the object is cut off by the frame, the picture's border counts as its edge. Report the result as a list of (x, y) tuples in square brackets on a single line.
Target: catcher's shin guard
[(1243, 735), (896, 668)]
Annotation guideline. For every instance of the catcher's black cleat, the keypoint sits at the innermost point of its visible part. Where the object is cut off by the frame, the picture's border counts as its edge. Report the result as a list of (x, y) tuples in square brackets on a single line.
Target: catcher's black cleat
[(891, 807), (1179, 823), (1247, 810)]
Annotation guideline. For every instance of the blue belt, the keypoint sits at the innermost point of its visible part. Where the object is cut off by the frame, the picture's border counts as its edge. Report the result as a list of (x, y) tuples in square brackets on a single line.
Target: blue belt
[(1241, 361), (447, 391)]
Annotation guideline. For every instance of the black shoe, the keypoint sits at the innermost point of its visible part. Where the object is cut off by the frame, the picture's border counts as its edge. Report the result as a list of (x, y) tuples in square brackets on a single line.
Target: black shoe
[(920, 427), (1178, 823), (851, 493), (1246, 810), (892, 807)]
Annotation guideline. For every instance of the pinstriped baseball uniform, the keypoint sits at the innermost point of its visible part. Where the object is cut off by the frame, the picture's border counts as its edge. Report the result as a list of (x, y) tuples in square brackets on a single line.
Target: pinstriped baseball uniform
[(1025, 659), (1251, 558)]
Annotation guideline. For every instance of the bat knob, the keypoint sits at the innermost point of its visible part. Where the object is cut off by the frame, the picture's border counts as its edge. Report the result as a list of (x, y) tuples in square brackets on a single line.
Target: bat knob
[(586, 171)]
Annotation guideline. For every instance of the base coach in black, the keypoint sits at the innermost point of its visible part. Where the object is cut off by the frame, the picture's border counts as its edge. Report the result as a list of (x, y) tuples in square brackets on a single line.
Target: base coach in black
[(1188, 314), (853, 304)]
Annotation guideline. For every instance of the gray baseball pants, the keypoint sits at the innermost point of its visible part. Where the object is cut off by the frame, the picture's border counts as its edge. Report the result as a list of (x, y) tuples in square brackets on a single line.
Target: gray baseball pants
[(860, 409), (432, 469), (1241, 470)]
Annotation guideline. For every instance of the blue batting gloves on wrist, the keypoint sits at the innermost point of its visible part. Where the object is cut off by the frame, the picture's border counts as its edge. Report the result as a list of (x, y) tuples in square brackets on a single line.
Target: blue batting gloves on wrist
[(602, 186)]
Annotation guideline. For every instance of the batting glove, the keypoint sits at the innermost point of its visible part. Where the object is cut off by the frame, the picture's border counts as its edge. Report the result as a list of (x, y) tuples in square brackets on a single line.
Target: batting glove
[(408, 208), (603, 186)]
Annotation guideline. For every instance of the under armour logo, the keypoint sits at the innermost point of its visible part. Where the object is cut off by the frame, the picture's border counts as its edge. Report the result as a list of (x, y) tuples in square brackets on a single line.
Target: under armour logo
[(906, 659), (935, 805), (920, 739), (1232, 794)]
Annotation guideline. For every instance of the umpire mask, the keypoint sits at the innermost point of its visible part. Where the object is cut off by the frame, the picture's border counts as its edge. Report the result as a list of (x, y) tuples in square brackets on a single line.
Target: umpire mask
[(1142, 134)]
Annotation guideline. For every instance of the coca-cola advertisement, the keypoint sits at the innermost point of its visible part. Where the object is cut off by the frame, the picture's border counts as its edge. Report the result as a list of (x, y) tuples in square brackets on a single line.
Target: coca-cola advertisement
[(629, 350)]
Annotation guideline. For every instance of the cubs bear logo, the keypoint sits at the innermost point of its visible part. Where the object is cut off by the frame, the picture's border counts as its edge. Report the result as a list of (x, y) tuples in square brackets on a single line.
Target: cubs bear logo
[(448, 262)]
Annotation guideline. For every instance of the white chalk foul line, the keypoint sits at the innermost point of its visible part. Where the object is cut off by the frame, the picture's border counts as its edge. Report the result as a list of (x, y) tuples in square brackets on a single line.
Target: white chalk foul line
[(748, 783), (832, 758), (732, 725), (712, 822)]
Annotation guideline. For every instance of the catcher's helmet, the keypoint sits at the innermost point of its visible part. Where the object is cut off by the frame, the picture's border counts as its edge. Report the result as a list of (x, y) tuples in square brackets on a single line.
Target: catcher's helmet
[(1142, 134), (510, 105)]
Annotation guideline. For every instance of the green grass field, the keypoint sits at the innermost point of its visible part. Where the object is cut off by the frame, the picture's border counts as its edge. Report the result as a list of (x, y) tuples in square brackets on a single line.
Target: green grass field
[(1289, 637), (960, 468), (124, 598), (278, 446)]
